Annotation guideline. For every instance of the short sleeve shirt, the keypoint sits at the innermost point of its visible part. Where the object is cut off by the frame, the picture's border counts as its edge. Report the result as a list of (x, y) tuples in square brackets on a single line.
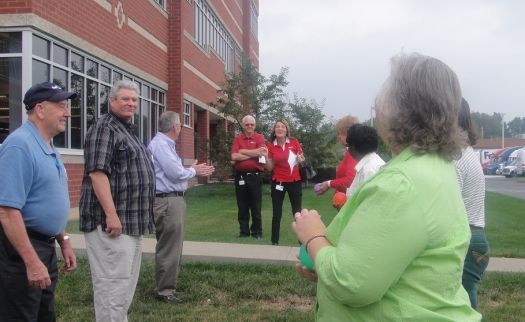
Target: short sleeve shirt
[(284, 158), (112, 147), (34, 181), (241, 141)]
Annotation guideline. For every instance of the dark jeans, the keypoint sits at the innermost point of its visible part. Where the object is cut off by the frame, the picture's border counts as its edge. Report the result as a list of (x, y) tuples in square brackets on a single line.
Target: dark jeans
[(249, 197), (476, 262), (295, 193), (19, 301)]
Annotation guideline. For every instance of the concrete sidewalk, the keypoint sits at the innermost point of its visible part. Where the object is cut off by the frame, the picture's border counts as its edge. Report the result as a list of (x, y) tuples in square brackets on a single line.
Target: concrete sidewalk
[(248, 253)]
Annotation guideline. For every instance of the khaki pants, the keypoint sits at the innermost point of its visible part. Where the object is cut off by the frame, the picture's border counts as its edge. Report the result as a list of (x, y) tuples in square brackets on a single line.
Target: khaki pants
[(169, 223), (115, 267)]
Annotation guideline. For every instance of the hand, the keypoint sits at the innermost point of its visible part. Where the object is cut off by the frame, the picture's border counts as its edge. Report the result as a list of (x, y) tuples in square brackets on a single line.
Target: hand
[(324, 187), (37, 275), (263, 151), (305, 273), (203, 170), (300, 158), (307, 224), (70, 260), (113, 225)]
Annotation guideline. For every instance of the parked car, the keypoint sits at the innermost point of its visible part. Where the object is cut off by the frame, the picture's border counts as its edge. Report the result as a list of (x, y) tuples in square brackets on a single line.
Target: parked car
[(516, 167)]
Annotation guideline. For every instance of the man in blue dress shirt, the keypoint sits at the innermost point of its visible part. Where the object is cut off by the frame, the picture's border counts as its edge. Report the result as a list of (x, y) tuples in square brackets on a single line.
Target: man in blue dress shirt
[(169, 206)]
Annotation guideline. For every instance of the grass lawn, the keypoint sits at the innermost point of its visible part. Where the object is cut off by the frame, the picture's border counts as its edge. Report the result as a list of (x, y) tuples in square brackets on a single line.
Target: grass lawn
[(248, 292), (212, 292), (212, 216), (505, 224), (239, 292)]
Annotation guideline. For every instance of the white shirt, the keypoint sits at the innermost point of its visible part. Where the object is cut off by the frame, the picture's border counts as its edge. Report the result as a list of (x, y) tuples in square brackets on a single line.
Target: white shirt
[(472, 185), (364, 169)]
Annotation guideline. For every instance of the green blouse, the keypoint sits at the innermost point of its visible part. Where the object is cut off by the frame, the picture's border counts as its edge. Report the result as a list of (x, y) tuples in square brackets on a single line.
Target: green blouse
[(398, 248)]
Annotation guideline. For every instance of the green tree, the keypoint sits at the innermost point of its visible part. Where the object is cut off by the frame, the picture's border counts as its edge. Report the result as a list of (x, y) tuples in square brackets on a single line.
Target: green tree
[(249, 92), (516, 126), (487, 126), (316, 134)]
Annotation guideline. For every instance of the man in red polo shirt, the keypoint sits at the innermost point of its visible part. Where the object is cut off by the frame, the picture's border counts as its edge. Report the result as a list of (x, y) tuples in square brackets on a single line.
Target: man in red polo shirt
[(249, 153)]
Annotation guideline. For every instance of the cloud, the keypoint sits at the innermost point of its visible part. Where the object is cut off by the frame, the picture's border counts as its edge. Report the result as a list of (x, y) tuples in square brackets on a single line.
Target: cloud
[(340, 49)]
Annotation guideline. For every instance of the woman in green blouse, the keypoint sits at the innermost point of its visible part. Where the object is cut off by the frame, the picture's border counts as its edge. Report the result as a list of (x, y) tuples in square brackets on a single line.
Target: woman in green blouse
[(395, 251)]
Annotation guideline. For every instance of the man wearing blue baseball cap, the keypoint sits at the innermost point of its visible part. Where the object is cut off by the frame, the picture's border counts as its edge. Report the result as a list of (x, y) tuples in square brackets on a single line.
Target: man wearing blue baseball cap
[(34, 207)]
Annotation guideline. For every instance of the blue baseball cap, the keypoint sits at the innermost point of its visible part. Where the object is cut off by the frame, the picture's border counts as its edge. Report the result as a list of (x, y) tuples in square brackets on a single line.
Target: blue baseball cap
[(45, 92)]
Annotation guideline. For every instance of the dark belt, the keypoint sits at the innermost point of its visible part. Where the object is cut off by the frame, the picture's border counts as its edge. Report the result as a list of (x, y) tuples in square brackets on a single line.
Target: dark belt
[(476, 228), (41, 237), (170, 194), (248, 173)]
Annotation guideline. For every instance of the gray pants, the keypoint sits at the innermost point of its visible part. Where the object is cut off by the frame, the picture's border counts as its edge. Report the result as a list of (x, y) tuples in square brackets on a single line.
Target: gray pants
[(115, 267), (169, 223)]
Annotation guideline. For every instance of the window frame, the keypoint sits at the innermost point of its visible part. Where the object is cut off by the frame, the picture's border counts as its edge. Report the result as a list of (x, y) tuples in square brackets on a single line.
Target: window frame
[(186, 114)]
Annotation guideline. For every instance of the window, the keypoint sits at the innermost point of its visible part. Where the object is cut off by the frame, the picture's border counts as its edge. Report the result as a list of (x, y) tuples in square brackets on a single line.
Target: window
[(161, 3), (10, 81), (91, 79), (210, 33), (186, 114), (254, 17), (10, 42)]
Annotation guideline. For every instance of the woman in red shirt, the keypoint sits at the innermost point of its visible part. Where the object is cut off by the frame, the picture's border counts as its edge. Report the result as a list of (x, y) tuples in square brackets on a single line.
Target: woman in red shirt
[(346, 170), (284, 155)]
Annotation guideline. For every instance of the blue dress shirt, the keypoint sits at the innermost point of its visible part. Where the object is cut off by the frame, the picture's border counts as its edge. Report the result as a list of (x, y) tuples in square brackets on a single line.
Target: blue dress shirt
[(170, 174)]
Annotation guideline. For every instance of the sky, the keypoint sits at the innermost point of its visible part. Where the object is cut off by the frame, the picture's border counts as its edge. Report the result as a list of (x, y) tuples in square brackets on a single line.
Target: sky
[(338, 51)]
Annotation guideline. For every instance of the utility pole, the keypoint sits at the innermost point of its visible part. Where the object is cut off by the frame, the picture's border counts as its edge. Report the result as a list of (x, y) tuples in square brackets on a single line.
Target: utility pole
[(372, 116), (502, 130)]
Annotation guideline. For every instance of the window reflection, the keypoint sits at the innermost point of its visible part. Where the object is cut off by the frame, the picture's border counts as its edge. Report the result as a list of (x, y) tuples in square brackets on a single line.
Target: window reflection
[(40, 47), (77, 83), (40, 72), (10, 42), (10, 91), (77, 62), (60, 78), (59, 55), (91, 102)]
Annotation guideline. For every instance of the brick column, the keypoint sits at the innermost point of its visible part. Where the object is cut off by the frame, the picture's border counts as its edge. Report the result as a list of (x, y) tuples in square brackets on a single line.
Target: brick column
[(203, 139)]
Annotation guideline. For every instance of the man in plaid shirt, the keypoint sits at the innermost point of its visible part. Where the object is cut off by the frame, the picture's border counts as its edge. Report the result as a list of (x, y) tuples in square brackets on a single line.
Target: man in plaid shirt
[(116, 203)]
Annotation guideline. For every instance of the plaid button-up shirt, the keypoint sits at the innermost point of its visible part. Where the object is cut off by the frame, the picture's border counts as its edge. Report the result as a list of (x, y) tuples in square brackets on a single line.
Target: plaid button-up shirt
[(113, 148)]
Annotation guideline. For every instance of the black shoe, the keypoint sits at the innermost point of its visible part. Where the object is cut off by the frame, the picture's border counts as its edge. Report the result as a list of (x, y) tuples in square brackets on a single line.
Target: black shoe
[(243, 236), (257, 237), (168, 298)]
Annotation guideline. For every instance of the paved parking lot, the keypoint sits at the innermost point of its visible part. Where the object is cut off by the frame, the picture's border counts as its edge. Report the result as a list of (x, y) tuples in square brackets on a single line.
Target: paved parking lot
[(514, 187)]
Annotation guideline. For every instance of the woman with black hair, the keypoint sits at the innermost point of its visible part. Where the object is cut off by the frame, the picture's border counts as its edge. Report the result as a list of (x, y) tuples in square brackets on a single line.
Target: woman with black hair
[(362, 143)]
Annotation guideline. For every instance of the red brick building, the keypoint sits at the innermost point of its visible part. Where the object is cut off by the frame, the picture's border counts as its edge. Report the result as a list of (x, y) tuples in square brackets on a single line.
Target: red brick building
[(177, 51)]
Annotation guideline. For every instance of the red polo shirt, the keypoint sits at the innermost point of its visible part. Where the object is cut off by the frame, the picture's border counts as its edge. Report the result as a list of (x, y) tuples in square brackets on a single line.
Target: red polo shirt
[(241, 141), (282, 172)]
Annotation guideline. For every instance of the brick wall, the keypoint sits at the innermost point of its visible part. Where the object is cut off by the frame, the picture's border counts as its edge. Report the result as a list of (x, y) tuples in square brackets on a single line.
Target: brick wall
[(15, 6), (75, 172), (89, 21)]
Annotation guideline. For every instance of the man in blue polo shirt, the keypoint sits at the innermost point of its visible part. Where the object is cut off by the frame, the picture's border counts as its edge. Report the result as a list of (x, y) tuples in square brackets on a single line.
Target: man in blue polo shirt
[(34, 207)]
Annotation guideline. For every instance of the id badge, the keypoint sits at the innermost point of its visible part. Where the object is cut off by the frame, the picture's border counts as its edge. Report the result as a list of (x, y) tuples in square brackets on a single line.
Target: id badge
[(279, 187), (241, 182)]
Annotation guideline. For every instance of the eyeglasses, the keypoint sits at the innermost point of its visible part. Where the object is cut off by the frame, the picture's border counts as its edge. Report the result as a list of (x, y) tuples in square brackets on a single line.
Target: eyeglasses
[(249, 124)]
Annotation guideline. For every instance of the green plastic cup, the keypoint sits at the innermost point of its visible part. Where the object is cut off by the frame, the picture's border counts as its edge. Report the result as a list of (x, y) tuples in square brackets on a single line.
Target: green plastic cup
[(305, 259)]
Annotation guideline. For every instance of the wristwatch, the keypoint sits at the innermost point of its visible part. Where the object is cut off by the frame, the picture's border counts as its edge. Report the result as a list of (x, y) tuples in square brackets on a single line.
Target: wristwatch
[(60, 239)]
